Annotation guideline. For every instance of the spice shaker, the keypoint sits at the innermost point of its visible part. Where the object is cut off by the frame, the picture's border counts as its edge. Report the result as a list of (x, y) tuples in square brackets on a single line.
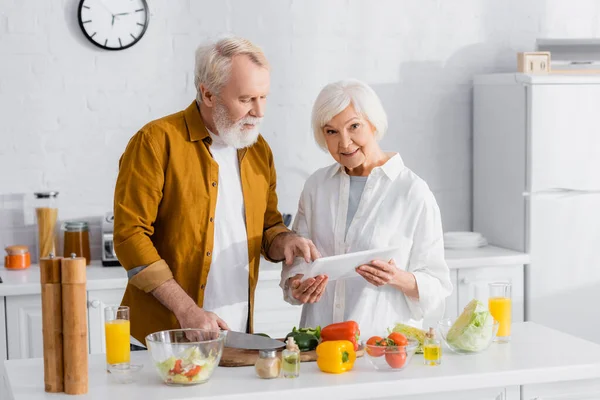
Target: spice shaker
[(75, 332), (291, 359), (77, 239), (46, 215), (268, 364), (52, 323), (432, 349)]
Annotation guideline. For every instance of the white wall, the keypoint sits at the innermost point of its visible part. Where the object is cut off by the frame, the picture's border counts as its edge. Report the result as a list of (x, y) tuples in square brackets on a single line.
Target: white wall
[(67, 109)]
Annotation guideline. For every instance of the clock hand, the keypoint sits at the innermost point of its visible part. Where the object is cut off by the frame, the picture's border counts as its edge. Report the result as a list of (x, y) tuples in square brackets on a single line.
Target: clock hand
[(106, 8), (116, 15)]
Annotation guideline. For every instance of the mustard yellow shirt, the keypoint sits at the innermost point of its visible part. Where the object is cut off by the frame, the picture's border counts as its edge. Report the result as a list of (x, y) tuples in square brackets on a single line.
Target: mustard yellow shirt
[(164, 207)]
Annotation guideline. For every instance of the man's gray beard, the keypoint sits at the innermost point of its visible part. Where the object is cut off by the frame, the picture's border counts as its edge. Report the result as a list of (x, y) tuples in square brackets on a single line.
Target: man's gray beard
[(231, 132)]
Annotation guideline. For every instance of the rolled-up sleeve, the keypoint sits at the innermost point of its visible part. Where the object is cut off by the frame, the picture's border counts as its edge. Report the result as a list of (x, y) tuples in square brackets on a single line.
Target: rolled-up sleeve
[(138, 193), (427, 262), (273, 222)]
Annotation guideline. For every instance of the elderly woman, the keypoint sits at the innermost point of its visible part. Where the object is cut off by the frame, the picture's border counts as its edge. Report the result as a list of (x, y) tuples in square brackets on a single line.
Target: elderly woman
[(368, 199)]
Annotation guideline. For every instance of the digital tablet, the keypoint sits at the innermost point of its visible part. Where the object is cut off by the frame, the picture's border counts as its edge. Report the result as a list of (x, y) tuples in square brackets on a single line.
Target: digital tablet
[(344, 265)]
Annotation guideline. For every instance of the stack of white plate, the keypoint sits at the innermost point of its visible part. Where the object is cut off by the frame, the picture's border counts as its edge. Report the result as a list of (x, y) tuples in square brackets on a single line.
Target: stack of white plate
[(464, 240)]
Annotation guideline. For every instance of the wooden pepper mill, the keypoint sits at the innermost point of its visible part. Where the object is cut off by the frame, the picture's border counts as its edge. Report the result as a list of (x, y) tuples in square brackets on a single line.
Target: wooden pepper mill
[(75, 332), (52, 323)]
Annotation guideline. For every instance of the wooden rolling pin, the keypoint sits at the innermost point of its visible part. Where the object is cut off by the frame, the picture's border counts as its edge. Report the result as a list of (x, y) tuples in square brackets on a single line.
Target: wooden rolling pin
[(52, 323), (75, 332)]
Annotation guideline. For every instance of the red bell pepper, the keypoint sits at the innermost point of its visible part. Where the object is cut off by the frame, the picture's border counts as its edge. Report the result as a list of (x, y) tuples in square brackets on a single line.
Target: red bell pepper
[(342, 331)]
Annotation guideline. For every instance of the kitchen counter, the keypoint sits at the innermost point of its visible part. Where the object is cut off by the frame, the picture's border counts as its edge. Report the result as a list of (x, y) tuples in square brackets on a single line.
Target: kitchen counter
[(27, 281), (536, 355)]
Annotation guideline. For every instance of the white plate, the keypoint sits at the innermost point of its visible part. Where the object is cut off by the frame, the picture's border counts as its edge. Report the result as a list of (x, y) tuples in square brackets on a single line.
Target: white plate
[(344, 265)]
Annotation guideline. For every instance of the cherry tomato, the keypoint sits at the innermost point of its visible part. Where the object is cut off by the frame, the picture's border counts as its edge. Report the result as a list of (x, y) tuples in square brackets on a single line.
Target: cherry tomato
[(395, 358), (373, 345), (398, 339)]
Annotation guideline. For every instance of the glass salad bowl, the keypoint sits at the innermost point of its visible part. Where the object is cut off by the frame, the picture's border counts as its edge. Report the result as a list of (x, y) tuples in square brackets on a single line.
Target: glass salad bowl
[(186, 356), (470, 339), (390, 358)]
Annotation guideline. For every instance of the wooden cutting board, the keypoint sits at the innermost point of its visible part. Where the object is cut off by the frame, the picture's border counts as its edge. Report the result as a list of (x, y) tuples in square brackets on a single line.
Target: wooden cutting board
[(244, 358)]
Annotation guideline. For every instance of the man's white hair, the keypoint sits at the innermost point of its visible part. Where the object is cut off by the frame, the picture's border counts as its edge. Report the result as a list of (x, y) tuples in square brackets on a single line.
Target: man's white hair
[(213, 62), (337, 96)]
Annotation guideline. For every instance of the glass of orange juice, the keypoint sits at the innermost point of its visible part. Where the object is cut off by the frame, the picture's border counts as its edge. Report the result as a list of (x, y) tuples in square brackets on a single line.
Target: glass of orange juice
[(116, 331), (500, 307)]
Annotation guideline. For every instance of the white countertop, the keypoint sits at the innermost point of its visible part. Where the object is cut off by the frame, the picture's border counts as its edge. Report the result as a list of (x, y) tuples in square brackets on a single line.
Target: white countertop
[(536, 355), (27, 281)]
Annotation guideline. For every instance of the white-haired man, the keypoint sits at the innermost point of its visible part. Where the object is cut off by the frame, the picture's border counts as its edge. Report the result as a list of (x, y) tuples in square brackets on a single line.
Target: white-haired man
[(195, 202)]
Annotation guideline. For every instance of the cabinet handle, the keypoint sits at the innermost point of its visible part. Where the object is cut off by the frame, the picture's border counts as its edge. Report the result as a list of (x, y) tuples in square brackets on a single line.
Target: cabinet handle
[(94, 304)]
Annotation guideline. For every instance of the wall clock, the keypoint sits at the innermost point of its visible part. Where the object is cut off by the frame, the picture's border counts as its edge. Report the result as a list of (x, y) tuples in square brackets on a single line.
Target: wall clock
[(113, 24)]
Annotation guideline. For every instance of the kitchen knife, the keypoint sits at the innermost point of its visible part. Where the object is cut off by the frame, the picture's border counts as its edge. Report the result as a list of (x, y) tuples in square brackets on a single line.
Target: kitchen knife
[(239, 340)]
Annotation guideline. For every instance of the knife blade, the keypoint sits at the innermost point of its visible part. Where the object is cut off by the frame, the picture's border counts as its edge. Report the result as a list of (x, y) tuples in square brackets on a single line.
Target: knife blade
[(239, 340)]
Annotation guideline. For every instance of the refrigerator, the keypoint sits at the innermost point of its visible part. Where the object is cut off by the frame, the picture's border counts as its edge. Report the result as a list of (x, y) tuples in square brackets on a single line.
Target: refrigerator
[(536, 189)]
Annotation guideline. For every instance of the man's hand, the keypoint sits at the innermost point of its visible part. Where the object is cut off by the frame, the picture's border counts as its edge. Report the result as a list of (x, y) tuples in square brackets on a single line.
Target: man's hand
[(187, 312), (197, 318), (309, 291), (287, 246)]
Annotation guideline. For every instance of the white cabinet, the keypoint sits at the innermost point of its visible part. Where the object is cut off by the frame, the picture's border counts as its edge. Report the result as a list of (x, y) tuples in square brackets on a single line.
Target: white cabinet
[(585, 389), (24, 326), (2, 347), (97, 300), (506, 393), (473, 284)]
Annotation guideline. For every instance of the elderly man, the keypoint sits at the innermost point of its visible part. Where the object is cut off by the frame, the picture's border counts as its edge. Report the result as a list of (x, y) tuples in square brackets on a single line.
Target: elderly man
[(195, 202)]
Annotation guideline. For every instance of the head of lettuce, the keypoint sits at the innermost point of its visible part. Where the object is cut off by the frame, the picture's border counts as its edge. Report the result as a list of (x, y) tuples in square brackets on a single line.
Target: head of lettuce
[(473, 329)]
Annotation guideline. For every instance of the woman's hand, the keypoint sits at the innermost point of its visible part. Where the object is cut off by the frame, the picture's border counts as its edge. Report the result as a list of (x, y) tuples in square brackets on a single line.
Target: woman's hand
[(380, 273), (309, 291)]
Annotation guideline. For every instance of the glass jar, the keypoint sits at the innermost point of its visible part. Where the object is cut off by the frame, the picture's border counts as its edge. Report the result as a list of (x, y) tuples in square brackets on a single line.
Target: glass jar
[(268, 364), (77, 239), (17, 257), (46, 215)]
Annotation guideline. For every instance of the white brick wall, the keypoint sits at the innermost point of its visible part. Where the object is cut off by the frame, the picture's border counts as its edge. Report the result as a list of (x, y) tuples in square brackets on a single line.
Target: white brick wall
[(67, 109)]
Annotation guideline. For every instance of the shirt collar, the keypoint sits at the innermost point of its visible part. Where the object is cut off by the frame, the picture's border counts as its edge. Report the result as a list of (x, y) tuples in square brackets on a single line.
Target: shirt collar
[(196, 128), (391, 168)]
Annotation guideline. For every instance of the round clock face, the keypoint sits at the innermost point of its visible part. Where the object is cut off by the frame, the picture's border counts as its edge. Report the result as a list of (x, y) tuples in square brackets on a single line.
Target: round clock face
[(113, 24)]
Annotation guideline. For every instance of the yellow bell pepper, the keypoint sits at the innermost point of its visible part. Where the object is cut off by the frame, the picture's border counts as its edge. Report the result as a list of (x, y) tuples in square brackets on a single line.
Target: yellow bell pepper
[(336, 356)]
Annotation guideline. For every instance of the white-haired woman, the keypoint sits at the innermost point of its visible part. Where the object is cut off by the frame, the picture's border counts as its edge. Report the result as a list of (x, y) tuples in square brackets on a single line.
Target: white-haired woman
[(368, 199)]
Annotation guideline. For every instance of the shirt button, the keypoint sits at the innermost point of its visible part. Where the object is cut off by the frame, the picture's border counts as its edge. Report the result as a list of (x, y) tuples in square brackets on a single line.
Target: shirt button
[(338, 306), (202, 286), (211, 219), (214, 184), (208, 253)]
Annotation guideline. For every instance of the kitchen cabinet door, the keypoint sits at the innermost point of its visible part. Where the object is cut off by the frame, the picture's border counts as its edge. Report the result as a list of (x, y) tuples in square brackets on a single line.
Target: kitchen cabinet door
[(97, 300), (502, 393), (24, 326), (272, 315), (473, 284), (3, 350), (585, 389)]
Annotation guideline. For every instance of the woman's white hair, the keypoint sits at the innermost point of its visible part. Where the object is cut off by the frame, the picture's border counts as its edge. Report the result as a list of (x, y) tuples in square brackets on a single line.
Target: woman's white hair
[(213, 62), (337, 96)]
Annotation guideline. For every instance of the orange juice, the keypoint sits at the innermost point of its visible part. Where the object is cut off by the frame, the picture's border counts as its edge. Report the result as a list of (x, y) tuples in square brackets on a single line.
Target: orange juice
[(117, 341), (500, 308)]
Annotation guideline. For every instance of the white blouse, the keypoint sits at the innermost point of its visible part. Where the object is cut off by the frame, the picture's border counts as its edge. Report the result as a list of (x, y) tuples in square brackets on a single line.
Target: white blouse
[(397, 209)]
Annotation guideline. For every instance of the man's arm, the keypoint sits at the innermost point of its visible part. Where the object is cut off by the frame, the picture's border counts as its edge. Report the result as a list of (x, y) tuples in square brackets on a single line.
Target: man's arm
[(138, 193)]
